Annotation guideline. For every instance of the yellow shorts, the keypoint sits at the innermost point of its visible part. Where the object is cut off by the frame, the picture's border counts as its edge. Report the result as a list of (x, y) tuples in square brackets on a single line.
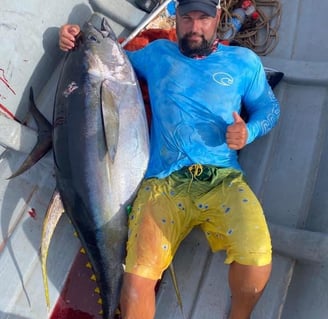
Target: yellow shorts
[(217, 199)]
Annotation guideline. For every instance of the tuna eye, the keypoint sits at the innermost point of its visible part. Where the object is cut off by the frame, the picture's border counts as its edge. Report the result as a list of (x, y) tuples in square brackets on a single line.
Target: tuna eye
[(93, 38)]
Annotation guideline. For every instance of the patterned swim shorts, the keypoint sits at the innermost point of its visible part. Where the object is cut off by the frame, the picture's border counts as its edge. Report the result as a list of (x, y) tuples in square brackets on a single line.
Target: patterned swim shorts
[(216, 199)]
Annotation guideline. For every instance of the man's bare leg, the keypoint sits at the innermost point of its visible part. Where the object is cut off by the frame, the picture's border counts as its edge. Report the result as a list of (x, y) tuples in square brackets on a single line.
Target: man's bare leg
[(137, 297), (247, 284)]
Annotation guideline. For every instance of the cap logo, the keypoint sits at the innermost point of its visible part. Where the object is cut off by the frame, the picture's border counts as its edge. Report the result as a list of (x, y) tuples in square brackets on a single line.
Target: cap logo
[(177, 3)]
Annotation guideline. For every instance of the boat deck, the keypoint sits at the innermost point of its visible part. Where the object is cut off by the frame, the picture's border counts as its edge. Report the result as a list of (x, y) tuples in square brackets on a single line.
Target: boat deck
[(287, 169)]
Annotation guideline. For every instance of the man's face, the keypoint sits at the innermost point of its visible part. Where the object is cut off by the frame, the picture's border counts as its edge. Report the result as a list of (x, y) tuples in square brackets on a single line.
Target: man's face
[(196, 32)]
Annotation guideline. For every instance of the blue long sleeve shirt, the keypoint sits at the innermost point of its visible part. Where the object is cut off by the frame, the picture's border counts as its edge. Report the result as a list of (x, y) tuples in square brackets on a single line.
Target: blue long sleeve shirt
[(192, 102)]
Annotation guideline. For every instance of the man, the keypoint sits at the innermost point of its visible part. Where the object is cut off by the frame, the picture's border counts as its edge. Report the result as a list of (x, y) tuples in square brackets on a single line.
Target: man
[(196, 89)]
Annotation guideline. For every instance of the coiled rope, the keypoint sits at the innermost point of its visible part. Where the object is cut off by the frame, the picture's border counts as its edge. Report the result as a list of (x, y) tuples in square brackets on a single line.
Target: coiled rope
[(261, 34)]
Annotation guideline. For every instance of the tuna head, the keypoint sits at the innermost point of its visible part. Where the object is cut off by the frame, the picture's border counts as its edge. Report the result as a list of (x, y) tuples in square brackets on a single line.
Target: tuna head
[(105, 58)]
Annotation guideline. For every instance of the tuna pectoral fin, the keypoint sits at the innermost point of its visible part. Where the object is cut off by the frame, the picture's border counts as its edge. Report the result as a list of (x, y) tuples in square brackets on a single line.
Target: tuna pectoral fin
[(110, 117), (44, 143), (53, 214)]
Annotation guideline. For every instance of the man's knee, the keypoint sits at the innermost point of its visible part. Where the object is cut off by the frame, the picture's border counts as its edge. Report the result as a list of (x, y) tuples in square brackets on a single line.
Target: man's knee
[(134, 285), (249, 279), (137, 297)]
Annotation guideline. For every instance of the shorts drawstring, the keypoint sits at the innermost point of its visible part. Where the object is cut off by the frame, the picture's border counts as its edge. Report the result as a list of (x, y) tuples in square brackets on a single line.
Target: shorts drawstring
[(195, 171)]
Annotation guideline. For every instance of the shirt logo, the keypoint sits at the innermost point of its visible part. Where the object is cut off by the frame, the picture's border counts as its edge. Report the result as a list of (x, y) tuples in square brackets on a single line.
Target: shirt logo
[(223, 78)]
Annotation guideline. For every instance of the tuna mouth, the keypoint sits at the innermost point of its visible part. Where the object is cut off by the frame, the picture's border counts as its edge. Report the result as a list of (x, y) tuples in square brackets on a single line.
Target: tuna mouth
[(100, 24)]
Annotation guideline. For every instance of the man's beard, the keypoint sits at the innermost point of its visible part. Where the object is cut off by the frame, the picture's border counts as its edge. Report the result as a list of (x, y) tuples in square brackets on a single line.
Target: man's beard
[(202, 49)]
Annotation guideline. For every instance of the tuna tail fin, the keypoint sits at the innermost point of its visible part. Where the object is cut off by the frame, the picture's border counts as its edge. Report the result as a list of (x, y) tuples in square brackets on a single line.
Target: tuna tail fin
[(44, 142), (53, 214)]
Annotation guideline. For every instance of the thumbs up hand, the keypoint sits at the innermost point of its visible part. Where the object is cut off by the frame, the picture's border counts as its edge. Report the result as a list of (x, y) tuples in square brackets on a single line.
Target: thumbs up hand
[(236, 135)]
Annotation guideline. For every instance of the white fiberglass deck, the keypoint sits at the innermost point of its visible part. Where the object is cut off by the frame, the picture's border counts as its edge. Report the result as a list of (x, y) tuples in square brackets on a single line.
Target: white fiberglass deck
[(287, 169)]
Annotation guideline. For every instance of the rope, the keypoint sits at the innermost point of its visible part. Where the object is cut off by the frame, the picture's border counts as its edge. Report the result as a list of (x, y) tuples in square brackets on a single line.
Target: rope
[(260, 35)]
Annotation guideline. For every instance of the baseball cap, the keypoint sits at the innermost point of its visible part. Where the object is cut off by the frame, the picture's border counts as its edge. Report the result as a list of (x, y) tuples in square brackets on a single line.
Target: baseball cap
[(207, 6)]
